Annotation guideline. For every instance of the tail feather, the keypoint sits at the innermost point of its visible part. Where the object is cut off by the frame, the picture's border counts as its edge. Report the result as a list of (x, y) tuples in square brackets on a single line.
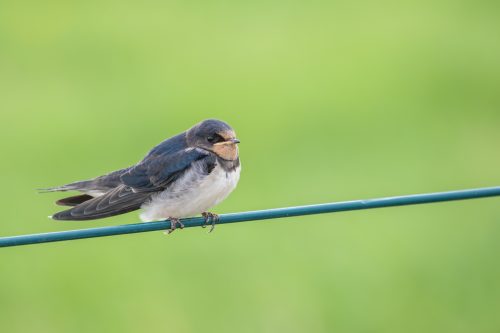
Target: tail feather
[(118, 201), (74, 200), (98, 185), (67, 215), (76, 186)]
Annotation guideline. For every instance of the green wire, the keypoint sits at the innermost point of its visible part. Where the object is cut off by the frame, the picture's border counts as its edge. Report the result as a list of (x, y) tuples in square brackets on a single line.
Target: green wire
[(254, 215)]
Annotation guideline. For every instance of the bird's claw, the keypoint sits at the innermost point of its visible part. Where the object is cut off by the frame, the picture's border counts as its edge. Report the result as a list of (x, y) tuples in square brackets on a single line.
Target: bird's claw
[(173, 224), (213, 218)]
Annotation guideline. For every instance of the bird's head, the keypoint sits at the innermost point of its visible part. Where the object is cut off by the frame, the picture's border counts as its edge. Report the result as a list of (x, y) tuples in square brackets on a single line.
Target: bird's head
[(215, 136)]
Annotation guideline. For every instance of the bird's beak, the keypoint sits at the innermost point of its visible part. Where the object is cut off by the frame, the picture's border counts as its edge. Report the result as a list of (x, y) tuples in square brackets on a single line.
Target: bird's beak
[(232, 141)]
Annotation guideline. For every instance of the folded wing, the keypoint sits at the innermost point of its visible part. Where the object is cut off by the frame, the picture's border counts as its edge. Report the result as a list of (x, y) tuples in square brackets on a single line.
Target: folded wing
[(118, 201), (152, 175)]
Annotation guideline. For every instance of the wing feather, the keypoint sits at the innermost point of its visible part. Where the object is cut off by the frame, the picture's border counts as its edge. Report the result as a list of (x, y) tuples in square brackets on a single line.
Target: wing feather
[(157, 172), (137, 184), (118, 201)]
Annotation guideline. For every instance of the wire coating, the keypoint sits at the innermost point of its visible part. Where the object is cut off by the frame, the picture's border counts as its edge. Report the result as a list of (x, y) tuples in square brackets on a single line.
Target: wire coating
[(254, 215)]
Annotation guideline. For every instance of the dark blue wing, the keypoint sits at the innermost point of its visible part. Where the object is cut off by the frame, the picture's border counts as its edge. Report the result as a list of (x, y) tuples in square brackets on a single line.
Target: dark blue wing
[(139, 183), (130, 188), (118, 201), (156, 172)]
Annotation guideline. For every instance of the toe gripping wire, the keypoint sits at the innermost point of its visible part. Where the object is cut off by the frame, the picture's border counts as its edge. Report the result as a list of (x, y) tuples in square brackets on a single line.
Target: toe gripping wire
[(210, 217)]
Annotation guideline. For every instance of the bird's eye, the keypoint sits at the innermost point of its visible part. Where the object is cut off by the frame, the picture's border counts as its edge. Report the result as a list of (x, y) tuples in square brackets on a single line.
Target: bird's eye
[(215, 138)]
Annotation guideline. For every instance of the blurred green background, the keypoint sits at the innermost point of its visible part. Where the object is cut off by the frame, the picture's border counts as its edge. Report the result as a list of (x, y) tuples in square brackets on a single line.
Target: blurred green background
[(332, 100)]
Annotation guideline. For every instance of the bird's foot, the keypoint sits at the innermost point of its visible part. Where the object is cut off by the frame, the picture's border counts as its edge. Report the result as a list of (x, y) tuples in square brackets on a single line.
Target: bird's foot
[(213, 218), (173, 224)]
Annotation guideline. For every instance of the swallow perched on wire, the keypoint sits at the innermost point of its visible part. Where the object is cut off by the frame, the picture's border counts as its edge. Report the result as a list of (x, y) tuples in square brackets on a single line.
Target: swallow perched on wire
[(183, 176)]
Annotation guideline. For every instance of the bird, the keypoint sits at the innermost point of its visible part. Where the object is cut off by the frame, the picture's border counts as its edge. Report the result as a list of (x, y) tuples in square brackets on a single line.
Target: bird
[(183, 176)]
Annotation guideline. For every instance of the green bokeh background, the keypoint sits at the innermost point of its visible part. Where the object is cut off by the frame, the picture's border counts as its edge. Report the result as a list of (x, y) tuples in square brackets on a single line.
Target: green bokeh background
[(332, 100)]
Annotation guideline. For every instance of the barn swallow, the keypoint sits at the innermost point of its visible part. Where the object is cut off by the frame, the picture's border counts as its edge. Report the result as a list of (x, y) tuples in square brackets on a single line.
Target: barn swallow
[(183, 176)]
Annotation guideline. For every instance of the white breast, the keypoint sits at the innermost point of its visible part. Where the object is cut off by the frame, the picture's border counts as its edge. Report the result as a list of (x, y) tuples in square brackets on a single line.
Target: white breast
[(191, 195)]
